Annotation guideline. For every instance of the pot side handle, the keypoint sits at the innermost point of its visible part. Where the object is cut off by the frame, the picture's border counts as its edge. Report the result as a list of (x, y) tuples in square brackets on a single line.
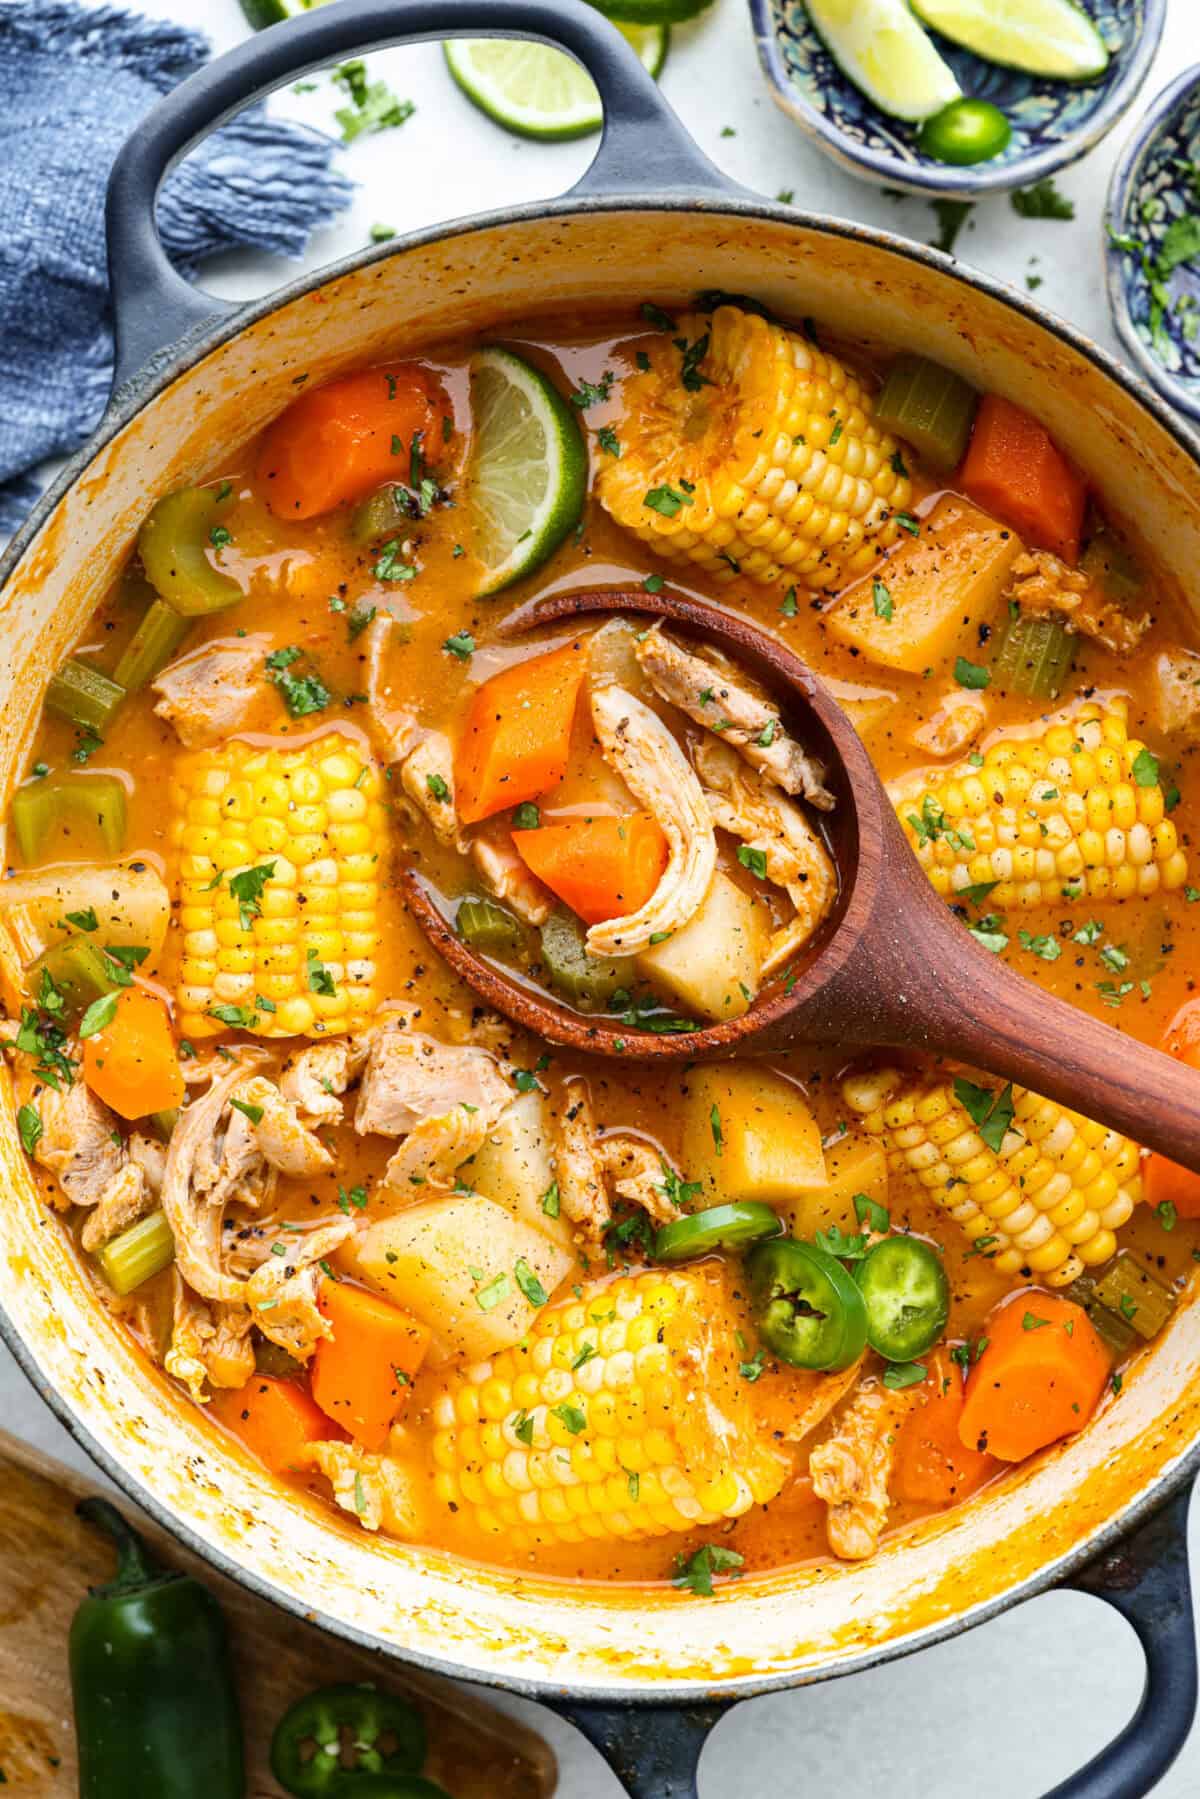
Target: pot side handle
[(643, 146), (1146, 1578), (655, 1750)]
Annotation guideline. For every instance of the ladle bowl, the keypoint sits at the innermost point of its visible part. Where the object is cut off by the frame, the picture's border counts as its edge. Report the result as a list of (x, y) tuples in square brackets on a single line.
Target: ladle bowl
[(890, 969)]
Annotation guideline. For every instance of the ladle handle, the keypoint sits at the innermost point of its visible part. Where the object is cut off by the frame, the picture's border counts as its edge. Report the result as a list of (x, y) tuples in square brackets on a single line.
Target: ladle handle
[(973, 1008)]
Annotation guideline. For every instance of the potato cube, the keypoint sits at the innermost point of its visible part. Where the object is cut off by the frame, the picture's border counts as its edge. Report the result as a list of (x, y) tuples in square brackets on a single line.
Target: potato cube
[(458, 1265), (940, 587), (854, 1165), (713, 966), (750, 1134), (515, 1168)]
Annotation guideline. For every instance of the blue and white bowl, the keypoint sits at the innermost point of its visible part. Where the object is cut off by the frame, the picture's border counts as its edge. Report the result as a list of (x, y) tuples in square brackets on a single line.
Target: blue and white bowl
[(1151, 187), (1054, 122)]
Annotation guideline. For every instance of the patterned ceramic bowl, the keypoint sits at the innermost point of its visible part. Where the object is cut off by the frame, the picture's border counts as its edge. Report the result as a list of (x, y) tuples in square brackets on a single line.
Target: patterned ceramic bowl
[(1054, 122), (1156, 306)]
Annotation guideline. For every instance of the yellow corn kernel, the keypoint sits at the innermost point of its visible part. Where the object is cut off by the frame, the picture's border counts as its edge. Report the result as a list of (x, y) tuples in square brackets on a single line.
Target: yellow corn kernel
[(572, 1450), (313, 814), (777, 471), (1091, 825), (1045, 1202)]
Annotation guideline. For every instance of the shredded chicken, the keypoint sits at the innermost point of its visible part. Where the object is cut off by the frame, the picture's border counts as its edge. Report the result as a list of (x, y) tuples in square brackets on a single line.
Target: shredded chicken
[(151, 1157), (287, 1144), (587, 1165), (850, 1470), (637, 743), (395, 730), (442, 1099), (749, 807), (427, 777), (1177, 673), (507, 878), (1042, 585), (376, 1489), (209, 1344), (638, 1175), (283, 1289), (955, 725), (80, 1144), (126, 1199), (720, 698), (214, 691), (314, 1079), (197, 1182), (410, 1078), (809, 1405)]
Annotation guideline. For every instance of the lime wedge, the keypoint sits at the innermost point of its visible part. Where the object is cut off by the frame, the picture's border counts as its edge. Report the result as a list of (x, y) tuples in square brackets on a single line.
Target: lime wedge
[(650, 12), (528, 469), (878, 45), (261, 13), (1042, 37), (536, 91)]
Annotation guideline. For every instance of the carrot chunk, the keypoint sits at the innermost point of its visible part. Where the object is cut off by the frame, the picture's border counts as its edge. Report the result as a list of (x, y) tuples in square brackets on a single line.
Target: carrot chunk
[(599, 867), (517, 736), (132, 1064), (275, 1419), (1165, 1182), (1039, 1377), (1014, 468), (362, 1376), (341, 441), (933, 1466)]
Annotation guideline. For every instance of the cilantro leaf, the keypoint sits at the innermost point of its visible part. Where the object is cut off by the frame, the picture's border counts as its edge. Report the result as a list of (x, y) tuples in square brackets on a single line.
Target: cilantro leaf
[(991, 1113)]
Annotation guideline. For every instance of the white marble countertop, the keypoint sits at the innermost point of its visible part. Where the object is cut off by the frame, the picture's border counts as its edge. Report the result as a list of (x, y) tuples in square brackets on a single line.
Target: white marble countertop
[(1011, 1709)]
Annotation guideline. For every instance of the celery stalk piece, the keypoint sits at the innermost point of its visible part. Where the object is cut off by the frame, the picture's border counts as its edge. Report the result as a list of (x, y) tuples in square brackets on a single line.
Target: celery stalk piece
[(33, 812), (1132, 1293), (165, 1122), (489, 928), (1034, 657), (382, 514), (929, 407), (151, 647), (138, 1254), (95, 801), (586, 982), (84, 696), (175, 541), (79, 970)]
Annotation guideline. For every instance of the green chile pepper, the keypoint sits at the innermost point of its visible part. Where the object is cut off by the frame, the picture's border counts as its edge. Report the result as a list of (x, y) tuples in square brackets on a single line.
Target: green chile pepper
[(156, 1710), (316, 1722), (809, 1311), (720, 1227), (907, 1296)]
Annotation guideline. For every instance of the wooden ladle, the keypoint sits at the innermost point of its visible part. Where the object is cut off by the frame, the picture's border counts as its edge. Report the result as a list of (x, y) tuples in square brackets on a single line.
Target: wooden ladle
[(891, 968)]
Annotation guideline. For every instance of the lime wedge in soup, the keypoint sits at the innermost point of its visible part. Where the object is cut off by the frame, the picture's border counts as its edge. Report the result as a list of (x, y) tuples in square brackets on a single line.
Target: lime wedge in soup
[(879, 46), (528, 468), (1043, 37)]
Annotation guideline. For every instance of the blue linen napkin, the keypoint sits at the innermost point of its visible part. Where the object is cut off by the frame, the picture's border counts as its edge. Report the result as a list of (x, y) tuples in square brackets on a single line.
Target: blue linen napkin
[(74, 81)]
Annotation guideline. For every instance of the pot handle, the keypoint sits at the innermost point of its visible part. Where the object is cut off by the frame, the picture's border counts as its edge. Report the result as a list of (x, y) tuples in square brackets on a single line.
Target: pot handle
[(655, 1750), (1145, 1577), (643, 145)]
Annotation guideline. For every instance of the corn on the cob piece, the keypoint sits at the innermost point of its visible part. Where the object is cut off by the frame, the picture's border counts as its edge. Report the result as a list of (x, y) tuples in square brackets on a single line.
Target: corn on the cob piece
[(1046, 1203), (591, 1427), (1075, 810), (768, 460), (292, 953)]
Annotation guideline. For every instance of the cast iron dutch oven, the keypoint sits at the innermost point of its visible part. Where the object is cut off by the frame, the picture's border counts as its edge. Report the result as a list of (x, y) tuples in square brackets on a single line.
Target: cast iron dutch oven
[(646, 1676)]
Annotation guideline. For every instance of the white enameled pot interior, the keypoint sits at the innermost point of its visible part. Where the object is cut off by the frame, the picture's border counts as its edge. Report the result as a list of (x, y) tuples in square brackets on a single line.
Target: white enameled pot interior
[(500, 1625)]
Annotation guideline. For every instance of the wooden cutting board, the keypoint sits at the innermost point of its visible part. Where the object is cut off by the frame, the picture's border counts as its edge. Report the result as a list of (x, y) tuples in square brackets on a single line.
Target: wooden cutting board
[(47, 1561)]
